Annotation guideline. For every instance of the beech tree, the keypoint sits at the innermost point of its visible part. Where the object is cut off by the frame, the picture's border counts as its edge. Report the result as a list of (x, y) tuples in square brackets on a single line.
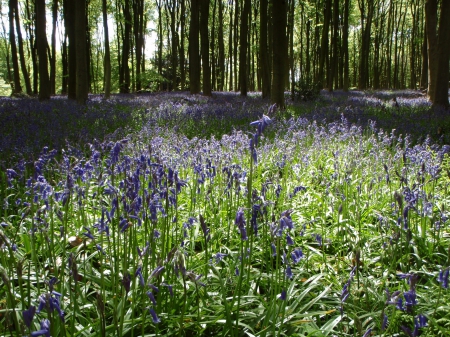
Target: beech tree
[(41, 42), (279, 14)]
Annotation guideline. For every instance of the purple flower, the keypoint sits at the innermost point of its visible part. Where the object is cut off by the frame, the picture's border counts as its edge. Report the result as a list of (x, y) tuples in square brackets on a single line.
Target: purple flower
[(443, 278), (274, 250), (88, 233), (157, 271), (289, 272), (28, 315), (138, 273), (289, 241), (283, 295), (367, 333), (45, 329), (155, 318), (297, 255), (151, 297), (219, 257), (385, 322)]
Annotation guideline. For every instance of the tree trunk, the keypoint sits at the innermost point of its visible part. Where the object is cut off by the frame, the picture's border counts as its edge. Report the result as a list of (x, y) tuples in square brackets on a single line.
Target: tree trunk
[(335, 60), (424, 67), (181, 53), (23, 64), (206, 69), (107, 57), (280, 48), (12, 41), (69, 21), (82, 84), (324, 44), (53, 56), (221, 80), (125, 68), (41, 41), (194, 48), (443, 55), (243, 79), (431, 7), (345, 46)]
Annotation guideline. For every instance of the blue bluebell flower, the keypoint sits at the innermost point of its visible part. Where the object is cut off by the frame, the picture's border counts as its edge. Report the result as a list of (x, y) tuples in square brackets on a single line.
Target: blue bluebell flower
[(297, 255), (367, 333), (289, 272), (138, 273), (45, 329), (155, 318), (28, 315), (443, 278), (283, 295), (151, 297)]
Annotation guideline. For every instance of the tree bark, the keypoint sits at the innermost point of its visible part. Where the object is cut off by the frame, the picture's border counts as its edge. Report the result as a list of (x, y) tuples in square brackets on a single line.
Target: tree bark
[(243, 79), (431, 7), (443, 55), (107, 57), (53, 55), (41, 41), (23, 64), (279, 14), (263, 50), (12, 41), (221, 77), (69, 21), (82, 84), (324, 42), (206, 69), (194, 48), (345, 46)]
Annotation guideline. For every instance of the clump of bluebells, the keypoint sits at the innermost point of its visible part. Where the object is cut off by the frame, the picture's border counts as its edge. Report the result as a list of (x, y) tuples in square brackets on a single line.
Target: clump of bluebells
[(155, 232)]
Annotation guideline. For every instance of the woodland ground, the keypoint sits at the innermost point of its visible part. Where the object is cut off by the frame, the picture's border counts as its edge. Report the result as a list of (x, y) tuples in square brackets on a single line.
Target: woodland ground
[(171, 214)]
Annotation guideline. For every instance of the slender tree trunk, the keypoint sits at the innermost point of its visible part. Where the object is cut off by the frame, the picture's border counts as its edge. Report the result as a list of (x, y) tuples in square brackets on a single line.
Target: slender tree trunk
[(424, 67), (431, 7), (263, 50), (82, 84), (345, 45), (69, 21), (9, 78), (243, 79), (12, 42), (236, 41), (335, 59), (23, 64), (212, 47), (291, 47), (324, 43), (230, 48), (182, 35), (220, 37), (125, 68), (107, 58), (204, 16), (53, 56), (41, 41), (194, 48), (280, 48)]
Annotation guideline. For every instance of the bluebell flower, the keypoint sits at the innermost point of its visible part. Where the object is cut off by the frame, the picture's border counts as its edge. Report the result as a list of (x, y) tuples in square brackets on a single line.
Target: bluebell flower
[(274, 249), (155, 318), (169, 287), (319, 239), (100, 249), (289, 241), (367, 333), (45, 329), (219, 257), (410, 299), (443, 278), (156, 272), (151, 297), (28, 315), (289, 272), (138, 273), (283, 295), (297, 255), (88, 233), (384, 323)]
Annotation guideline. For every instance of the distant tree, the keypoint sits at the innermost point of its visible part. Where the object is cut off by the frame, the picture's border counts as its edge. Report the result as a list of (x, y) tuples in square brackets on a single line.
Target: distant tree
[(243, 57), (280, 48), (194, 48), (23, 64), (438, 51), (107, 56), (82, 81), (264, 50), (53, 48), (69, 24), (12, 41), (206, 69), (41, 41)]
